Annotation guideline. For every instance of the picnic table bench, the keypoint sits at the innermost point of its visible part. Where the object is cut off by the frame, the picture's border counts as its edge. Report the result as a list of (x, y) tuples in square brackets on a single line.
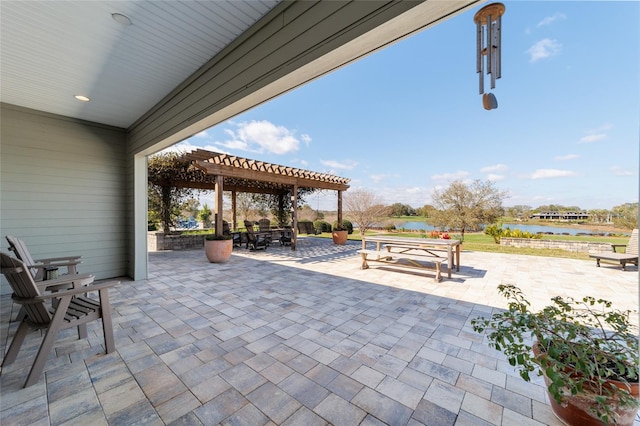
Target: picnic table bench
[(403, 259), (412, 252)]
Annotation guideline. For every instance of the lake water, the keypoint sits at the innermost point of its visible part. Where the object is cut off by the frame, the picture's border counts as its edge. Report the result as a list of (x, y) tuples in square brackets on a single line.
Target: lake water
[(534, 229)]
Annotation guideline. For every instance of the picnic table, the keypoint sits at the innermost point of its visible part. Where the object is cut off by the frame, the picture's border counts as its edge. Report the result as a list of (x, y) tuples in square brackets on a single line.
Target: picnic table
[(414, 250)]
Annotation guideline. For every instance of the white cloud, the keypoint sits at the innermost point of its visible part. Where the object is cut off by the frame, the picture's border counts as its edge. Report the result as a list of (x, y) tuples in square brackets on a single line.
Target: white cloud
[(261, 136), (543, 49), (595, 137), (187, 146), (344, 165), (551, 173), (378, 178), (494, 168), (600, 129), (306, 139), (551, 19), (494, 177), (619, 171), (566, 157), (597, 134), (460, 174)]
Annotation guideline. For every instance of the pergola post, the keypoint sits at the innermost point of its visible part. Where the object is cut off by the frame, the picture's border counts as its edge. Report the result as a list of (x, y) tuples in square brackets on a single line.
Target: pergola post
[(339, 208), (219, 204), (233, 210), (294, 216)]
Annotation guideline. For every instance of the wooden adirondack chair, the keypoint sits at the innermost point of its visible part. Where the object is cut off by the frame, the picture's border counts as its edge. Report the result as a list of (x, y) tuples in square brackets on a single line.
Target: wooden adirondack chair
[(264, 225), (39, 267), (255, 241), (71, 310), (629, 256)]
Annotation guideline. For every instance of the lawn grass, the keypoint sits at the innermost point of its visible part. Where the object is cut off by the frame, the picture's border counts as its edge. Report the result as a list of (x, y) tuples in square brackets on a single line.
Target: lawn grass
[(485, 243)]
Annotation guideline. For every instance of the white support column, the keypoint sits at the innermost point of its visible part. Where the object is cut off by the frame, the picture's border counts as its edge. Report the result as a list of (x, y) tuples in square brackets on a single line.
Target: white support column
[(140, 201)]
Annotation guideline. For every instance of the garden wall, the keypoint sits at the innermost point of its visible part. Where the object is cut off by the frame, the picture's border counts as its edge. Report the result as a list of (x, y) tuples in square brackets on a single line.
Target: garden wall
[(157, 241), (577, 246)]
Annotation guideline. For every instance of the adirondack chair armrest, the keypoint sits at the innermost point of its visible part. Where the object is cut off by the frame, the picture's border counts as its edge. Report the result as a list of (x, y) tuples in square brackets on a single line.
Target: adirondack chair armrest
[(59, 261), (16, 270), (79, 290), (614, 247)]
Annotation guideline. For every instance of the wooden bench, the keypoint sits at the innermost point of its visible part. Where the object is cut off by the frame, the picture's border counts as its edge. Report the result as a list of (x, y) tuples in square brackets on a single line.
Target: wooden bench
[(411, 260), (630, 256)]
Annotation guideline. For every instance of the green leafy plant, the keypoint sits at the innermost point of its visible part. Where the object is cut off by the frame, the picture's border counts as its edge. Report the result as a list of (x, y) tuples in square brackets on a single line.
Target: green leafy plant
[(346, 226), (580, 346), (322, 226), (494, 231), (214, 237)]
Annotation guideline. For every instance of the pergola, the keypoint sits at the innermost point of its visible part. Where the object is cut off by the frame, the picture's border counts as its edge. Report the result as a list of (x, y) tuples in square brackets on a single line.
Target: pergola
[(225, 172)]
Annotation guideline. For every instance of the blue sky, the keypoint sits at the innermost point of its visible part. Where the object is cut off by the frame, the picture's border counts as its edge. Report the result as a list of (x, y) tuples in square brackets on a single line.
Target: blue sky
[(409, 118)]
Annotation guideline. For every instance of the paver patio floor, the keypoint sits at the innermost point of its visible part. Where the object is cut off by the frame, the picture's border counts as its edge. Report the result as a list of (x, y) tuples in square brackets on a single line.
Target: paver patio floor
[(278, 337)]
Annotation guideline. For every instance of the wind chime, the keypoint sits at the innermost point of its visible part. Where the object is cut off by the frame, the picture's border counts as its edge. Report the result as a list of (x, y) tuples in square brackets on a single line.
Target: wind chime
[(488, 36)]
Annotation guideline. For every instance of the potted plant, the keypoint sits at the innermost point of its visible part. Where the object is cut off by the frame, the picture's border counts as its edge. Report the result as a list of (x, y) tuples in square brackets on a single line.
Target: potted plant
[(218, 248), (587, 352), (339, 234)]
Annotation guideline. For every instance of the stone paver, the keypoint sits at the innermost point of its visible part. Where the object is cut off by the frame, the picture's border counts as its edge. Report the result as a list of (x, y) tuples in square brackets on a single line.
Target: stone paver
[(281, 337)]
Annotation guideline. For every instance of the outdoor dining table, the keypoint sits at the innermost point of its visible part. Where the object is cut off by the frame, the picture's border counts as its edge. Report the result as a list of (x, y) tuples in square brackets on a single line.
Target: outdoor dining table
[(426, 245)]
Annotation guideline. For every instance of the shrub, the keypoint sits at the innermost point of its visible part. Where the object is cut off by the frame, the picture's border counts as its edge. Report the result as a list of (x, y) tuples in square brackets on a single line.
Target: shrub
[(494, 231), (346, 225), (498, 232), (322, 226), (389, 227)]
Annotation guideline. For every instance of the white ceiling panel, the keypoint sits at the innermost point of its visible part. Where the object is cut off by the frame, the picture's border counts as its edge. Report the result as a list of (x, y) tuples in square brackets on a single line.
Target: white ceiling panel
[(53, 50)]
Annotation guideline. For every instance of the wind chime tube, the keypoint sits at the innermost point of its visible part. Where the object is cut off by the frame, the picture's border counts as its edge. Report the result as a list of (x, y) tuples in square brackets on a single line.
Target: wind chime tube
[(478, 46), (494, 56), (489, 43), (499, 44), (481, 60)]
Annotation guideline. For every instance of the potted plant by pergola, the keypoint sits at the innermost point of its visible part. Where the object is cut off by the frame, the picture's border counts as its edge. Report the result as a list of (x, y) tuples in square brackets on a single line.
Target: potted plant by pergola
[(339, 234), (586, 351), (218, 247)]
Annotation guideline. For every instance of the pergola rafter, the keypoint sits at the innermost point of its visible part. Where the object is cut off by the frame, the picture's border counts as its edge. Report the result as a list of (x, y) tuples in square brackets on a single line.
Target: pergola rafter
[(224, 172)]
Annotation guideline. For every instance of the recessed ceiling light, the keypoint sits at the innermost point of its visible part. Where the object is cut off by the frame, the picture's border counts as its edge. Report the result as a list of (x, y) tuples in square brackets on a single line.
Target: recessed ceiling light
[(82, 98), (121, 19)]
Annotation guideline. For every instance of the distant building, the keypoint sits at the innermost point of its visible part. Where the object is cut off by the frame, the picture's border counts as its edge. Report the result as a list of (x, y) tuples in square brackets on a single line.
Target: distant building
[(560, 215)]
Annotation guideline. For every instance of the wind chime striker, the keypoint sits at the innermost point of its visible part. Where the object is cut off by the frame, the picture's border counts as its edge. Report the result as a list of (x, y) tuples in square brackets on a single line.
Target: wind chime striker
[(488, 36)]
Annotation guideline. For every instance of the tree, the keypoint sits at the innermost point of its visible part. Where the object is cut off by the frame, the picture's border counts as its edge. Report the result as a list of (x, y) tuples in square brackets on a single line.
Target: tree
[(519, 211), (364, 208), (191, 208), (244, 204), (399, 209), (165, 199), (626, 216), (205, 215), (466, 207), (427, 210), (599, 215), (280, 205)]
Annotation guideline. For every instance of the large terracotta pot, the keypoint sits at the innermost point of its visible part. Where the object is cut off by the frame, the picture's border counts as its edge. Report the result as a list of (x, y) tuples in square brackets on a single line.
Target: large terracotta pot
[(218, 251), (339, 237), (575, 411)]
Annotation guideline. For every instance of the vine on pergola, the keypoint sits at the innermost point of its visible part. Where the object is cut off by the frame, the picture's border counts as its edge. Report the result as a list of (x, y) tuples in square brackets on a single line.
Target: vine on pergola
[(166, 173), (173, 179)]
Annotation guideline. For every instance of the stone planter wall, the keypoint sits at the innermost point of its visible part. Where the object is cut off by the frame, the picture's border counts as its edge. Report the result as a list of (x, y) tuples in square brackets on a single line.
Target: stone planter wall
[(577, 246), (158, 241)]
